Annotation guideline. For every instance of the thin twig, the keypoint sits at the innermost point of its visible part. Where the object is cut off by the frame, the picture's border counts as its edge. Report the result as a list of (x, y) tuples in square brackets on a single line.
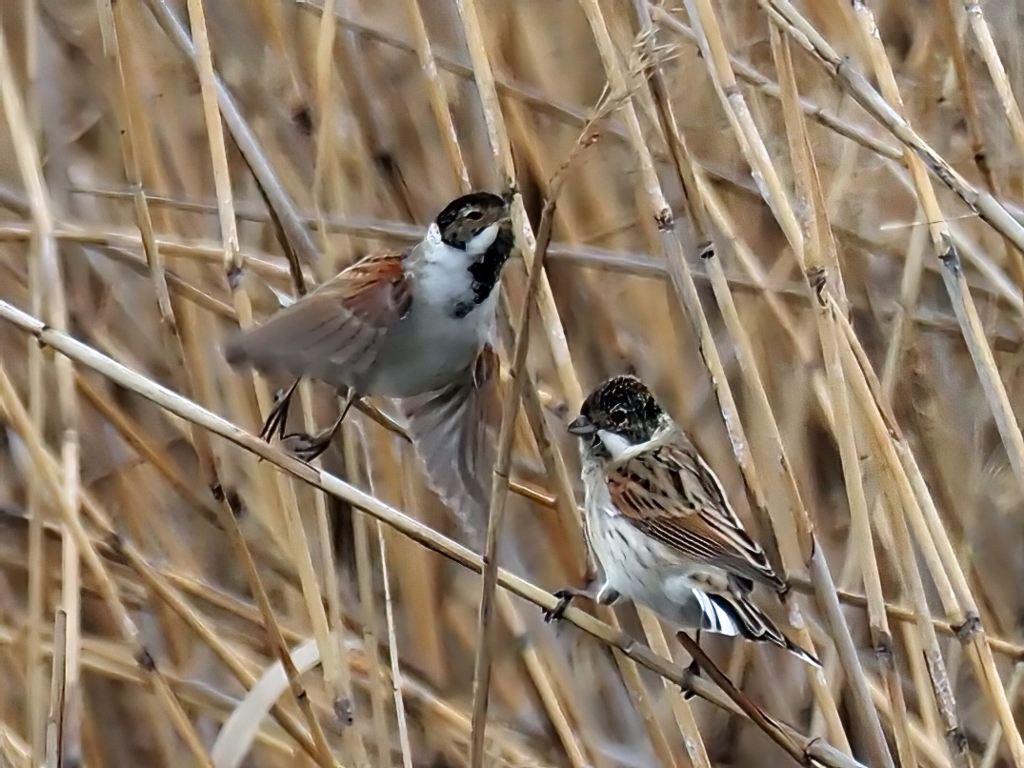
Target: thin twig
[(502, 463)]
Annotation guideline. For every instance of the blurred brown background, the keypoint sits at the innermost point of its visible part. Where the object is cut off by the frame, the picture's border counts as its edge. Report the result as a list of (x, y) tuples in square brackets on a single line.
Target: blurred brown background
[(340, 125)]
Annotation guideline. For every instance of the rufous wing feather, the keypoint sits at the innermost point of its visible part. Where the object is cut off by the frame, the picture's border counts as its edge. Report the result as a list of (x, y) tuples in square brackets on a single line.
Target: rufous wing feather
[(333, 333)]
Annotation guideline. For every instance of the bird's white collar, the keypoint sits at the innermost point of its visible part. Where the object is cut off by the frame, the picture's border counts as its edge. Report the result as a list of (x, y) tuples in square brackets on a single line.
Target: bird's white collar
[(483, 240), (621, 450), (477, 245)]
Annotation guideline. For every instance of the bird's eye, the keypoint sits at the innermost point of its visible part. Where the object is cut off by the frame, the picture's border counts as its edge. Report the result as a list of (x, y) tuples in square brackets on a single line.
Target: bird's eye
[(474, 215)]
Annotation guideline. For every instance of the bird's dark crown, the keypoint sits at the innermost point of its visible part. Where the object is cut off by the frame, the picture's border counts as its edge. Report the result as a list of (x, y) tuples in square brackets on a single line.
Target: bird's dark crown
[(625, 406), (467, 216)]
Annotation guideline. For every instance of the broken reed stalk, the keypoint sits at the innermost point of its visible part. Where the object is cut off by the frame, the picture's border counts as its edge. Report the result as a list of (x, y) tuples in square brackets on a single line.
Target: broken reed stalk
[(58, 692), (739, 698)]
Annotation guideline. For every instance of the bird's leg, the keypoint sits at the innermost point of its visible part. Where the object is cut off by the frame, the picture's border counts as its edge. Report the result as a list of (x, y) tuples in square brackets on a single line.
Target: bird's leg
[(565, 596), (307, 447), (278, 416), (606, 595)]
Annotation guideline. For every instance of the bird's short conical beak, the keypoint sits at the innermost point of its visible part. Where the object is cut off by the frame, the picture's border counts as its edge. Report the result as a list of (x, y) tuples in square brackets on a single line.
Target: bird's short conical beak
[(581, 426)]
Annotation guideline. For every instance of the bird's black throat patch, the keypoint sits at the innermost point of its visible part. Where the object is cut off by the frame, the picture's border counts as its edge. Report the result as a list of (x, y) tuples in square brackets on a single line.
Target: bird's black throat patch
[(485, 272)]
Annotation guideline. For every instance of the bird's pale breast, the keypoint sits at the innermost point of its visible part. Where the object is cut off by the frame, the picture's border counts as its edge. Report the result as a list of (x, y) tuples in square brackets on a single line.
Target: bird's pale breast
[(637, 566)]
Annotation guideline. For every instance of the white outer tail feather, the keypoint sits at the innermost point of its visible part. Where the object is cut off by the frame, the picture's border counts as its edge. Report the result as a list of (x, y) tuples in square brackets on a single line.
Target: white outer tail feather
[(716, 619), (720, 619)]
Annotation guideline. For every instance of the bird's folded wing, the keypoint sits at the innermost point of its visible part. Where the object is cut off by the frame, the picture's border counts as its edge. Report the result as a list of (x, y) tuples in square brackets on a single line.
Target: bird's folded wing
[(454, 430), (333, 333), (673, 496)]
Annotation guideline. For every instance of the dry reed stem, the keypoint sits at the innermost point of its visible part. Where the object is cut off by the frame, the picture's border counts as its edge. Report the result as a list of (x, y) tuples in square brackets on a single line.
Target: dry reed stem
[(335, 668), (696, 751), (692, 181), (742, 701), (996, 70), (963, 76), (525, 241), (938, 552), (753, 147), (125, 89), (901, 499), (68, 508), (952, 35), (396, 671), (686, 295), (988, 208), (992, 743), (820, 265), (195, 368), (115, 245), (35, 714), (952, 273), (294, 240), (356, 460), (50, 271), (502, 466), (162, 590), (438, 101), (984, 363), (551, 322)]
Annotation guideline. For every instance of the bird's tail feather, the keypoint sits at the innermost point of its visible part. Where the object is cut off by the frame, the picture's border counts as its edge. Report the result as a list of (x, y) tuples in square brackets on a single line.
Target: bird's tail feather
[(734, 614), (453, 430)]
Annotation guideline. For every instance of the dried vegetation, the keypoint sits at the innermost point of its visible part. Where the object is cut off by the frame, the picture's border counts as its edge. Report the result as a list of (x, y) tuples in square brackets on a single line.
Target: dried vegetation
[(846, 354)]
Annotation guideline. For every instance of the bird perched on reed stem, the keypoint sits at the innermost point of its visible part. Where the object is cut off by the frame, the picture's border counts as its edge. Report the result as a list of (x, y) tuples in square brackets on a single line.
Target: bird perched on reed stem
[(659, 523)]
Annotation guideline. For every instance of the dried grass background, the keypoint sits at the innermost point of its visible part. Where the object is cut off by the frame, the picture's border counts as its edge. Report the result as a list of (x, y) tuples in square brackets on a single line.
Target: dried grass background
[(857, 324)]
